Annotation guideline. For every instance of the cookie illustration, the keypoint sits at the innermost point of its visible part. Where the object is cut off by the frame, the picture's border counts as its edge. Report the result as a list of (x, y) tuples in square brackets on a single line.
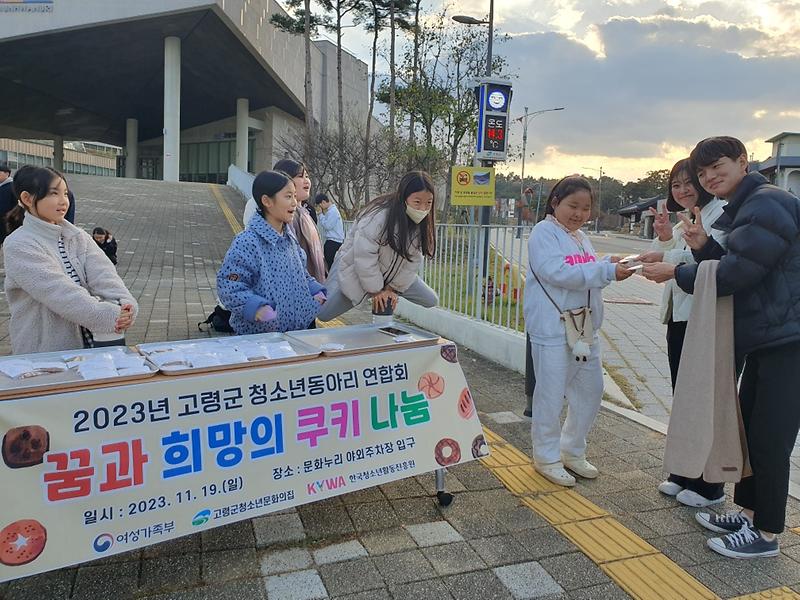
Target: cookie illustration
[(449, 353), (21, 542), (431, 384), (466, 407), (447, 452), (25, 446), (479, 447)]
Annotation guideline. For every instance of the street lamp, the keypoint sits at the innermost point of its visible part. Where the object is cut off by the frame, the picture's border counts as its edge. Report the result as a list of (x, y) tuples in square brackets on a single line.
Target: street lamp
[(486, 211), (599, 197), (524, 120)]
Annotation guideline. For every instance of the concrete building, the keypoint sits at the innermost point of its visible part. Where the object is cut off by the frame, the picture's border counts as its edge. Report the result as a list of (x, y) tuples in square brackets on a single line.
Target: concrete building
[(783, 166), (186, 87), (88, 159)]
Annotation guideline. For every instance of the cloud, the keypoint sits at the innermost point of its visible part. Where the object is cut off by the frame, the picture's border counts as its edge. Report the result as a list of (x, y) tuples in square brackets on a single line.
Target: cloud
[(661, 84), (643, 80)]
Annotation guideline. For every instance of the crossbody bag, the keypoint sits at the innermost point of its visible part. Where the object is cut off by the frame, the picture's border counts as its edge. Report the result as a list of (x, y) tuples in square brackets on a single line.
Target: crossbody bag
[(577, 323)]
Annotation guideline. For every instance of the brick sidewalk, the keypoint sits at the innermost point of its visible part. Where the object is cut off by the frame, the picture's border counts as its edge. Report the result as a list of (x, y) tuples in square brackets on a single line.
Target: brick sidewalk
[(392, 541)]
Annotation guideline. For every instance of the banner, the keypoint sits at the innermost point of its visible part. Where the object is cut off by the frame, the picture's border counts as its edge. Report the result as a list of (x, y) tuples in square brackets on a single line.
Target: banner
[(88, 474), (472, 186)]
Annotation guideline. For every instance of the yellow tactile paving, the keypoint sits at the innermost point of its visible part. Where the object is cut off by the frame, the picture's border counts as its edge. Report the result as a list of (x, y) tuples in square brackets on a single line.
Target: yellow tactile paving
[(524, 480), (605, 540), (492, 437), (504, 455), (223, 206), (781, 593), (564, 507), (655, 577), (639, 568)]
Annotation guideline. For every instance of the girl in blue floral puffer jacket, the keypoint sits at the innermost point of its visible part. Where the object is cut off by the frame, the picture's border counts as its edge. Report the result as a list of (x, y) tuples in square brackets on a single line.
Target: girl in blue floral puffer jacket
[(263, 280)]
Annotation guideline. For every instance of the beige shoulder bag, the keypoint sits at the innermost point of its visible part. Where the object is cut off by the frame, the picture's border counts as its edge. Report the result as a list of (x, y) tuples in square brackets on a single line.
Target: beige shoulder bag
[(578, 325)]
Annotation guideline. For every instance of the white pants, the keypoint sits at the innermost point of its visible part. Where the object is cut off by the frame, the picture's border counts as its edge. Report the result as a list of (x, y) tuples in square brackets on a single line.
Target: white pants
[(560, 376)]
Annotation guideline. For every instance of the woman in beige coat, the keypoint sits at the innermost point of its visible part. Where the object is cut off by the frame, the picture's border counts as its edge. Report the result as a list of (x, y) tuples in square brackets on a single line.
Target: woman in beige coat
[(60, 286), (383, 251)]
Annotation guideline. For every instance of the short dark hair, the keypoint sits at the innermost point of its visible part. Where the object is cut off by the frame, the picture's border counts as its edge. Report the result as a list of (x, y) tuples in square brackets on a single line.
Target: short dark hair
[(320, 198), (4, 167), (268, 183), (99, 231), (710, 150), (565, 187), (684, 166)]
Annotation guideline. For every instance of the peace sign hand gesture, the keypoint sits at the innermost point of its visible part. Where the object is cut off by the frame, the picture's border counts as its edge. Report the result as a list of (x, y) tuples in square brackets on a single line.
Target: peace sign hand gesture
[(694, 233), (661, 224)]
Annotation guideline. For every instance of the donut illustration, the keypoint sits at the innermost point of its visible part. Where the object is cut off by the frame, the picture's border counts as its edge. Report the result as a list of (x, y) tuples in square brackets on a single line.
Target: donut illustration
[(22, 542), (431, 384), (449, 353), (25, 446), (466, 407), (447, 452), (479, 447)]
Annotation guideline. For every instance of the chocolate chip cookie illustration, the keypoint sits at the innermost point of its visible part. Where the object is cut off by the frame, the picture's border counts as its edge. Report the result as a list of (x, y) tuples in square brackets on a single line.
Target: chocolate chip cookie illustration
[(25, 446), (22, 542)]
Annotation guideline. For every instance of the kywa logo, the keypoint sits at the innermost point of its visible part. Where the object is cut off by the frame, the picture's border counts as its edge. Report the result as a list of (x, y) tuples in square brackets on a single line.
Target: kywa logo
[(334, 483)]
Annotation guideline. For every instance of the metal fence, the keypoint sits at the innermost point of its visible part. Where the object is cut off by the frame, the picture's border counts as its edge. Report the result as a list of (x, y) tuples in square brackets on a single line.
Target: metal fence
[(479, 271)]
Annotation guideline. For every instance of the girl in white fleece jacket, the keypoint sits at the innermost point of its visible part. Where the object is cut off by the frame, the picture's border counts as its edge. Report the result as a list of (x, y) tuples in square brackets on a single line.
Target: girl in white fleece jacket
[(60, 286), (562, 258)]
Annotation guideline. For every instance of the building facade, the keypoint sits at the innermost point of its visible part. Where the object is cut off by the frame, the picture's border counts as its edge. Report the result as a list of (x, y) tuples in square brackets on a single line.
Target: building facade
[(783, 166), (186, 88)]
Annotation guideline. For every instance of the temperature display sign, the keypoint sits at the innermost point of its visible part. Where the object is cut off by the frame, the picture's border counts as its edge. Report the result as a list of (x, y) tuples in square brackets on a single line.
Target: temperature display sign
[(494, 99), (494, 133)]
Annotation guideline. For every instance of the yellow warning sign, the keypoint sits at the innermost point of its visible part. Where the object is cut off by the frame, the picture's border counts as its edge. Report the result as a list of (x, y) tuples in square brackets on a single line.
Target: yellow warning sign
[(472, 186)]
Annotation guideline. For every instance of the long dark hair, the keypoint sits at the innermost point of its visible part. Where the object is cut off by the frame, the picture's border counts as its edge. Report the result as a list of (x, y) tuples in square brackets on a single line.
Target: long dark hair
[(400, 229), (37, 181), (566, 186), (685, 166)]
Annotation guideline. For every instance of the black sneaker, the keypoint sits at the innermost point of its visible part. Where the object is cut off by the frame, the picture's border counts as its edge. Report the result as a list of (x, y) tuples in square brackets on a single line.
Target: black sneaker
[(745, 543), (728, 523)]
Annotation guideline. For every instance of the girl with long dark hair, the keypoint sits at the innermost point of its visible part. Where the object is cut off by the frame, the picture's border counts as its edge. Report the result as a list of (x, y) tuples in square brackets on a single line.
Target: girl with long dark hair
[(383, 250)]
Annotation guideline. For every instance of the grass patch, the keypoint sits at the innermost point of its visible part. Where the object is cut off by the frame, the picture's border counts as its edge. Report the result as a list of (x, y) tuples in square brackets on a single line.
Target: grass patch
[(624, 385)]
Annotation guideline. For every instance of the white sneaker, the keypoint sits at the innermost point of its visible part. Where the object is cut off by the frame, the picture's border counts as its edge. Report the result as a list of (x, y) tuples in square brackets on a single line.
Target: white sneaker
[(692, 498), (670, 488), (555, 473), (580, 466)]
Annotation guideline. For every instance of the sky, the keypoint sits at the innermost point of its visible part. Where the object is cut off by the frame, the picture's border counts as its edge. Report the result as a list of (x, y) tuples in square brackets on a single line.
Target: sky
[(641, 80)]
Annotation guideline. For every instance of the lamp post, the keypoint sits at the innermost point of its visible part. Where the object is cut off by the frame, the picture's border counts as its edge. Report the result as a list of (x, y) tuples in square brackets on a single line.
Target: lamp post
[(599, 197), (486, 211), (524, 119)]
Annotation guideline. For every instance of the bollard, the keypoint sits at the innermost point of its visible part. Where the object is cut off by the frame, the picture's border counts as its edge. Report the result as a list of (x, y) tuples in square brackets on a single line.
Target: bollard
[(530, 377)]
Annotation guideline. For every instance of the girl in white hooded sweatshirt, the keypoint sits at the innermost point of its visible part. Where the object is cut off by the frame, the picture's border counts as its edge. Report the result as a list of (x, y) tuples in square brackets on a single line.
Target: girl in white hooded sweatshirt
[(564, 273)]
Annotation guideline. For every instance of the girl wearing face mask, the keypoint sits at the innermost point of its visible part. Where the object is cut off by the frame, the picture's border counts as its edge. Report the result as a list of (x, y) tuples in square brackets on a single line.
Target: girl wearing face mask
[(383, 251), (684, 193), (565, 274)]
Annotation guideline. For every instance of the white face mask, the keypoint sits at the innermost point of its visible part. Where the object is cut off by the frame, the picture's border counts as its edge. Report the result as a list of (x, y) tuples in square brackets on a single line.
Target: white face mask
[(415, 214)]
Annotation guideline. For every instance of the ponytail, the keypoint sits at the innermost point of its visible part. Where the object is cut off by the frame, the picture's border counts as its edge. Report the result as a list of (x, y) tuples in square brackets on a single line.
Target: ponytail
[(34, 180)]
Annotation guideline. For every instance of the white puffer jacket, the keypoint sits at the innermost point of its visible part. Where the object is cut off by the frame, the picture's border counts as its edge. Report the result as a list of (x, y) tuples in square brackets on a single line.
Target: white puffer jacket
[(365, 264), (675, 303), (47, 307)]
